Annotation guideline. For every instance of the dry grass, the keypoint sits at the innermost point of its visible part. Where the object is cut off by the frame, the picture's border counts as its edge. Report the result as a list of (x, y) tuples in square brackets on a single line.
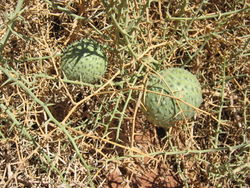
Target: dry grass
[(57, 133)]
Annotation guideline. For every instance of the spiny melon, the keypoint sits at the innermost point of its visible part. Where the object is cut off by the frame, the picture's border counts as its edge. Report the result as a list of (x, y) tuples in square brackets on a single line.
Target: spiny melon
[(162, 107), (84, 60)]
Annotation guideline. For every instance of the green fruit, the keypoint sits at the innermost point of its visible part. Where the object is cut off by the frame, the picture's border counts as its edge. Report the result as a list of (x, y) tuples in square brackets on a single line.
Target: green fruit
[(179, 83), (85, 61)]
